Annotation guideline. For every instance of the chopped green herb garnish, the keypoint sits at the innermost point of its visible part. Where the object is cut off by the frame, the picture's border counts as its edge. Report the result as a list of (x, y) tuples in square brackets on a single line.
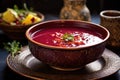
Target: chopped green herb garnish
[(68, 37)]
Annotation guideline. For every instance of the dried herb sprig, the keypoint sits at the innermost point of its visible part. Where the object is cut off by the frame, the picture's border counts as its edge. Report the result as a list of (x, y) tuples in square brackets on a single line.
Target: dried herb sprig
[(13, 47)]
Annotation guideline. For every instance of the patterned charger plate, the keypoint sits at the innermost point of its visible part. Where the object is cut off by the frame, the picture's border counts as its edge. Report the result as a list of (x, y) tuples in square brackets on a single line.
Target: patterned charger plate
[(27, 65)]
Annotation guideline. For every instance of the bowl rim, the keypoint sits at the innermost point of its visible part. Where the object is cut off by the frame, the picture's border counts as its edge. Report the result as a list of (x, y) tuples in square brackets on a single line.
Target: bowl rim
[(109, 11), (38, 13), (65, 48)]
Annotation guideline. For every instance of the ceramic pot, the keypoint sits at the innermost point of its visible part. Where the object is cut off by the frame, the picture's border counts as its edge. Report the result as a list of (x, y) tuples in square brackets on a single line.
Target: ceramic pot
[(111, 20), (75, 10)]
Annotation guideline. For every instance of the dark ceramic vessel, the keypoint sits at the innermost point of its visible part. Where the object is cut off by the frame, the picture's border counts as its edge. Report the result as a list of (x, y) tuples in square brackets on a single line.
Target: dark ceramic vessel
[(17, 32), (67, 58), (111, 20)]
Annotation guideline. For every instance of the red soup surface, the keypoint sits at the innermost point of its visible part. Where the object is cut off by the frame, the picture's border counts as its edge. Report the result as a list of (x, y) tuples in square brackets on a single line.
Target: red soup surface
[(66, 37)]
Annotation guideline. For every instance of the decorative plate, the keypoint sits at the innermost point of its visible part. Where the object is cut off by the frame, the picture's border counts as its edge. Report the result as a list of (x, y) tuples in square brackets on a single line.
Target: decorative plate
[(27, 65)]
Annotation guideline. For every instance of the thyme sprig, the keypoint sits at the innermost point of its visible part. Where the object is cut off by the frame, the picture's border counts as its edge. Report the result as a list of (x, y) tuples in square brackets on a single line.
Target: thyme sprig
[(13, 47)]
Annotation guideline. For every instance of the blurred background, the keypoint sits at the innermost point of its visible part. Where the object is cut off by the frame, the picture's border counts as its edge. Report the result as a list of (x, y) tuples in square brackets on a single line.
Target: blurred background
[(54, 6)]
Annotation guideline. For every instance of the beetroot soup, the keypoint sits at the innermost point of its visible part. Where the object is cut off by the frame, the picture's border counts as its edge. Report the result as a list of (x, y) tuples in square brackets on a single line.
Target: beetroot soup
[(67, 37)]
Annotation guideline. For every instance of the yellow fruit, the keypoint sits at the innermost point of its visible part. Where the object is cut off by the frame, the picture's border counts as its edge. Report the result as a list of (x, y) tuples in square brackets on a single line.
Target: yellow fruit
[(9, 16), (31, 19)]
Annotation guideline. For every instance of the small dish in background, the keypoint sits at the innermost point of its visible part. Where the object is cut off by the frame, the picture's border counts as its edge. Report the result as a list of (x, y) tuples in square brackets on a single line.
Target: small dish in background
[(14, 21)]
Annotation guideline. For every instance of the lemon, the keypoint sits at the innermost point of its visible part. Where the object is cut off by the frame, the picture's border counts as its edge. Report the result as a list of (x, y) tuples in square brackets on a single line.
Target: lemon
[(9, 16), (31, 19)]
